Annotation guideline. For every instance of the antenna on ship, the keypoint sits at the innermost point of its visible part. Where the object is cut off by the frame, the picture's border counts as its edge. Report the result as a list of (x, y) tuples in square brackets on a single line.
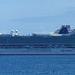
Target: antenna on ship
[(12, 32), (16, 32)]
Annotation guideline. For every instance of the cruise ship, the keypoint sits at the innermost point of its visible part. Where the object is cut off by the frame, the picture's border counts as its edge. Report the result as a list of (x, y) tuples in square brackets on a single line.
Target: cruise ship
[(62, 41)]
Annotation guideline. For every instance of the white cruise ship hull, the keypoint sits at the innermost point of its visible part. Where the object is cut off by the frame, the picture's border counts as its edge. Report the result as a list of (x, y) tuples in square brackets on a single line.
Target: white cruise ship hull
[(38, 51)]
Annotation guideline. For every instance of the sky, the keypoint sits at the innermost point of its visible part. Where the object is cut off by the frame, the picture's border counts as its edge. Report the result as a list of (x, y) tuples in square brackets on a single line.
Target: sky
[(36, 16)]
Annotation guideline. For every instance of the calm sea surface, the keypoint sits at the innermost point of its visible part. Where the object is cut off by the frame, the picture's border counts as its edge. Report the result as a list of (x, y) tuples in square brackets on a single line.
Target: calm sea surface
[(37, 64)]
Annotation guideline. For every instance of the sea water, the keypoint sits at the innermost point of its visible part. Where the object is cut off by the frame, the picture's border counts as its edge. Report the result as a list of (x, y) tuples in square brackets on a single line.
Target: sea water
[(37, 64)]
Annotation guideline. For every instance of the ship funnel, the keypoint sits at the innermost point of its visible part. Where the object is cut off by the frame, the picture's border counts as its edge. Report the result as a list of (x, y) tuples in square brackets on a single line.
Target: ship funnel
[(63, 26), (68, 27)]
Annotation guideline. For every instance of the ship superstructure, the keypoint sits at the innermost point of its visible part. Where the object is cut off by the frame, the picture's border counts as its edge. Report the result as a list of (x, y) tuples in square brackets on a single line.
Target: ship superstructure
[(62, 41)]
